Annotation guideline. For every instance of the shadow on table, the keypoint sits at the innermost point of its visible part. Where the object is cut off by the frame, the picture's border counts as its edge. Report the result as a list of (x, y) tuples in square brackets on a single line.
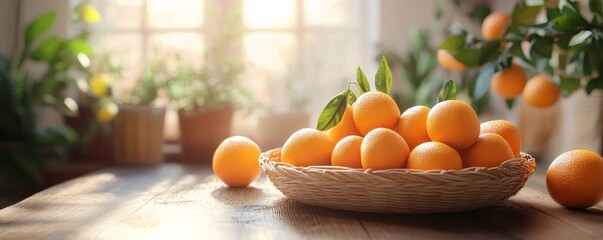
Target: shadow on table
[(486, 222), (238, 196)]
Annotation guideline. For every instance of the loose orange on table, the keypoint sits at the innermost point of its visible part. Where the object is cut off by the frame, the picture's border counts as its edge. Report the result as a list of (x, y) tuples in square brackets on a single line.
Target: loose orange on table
[(236, 162), (375, 110), (490, 150), (507, 130), (454, 123), (383, 148), (345, 127), (575, 179), (412, 126), (347, 152), (433, 156), (307, 147)]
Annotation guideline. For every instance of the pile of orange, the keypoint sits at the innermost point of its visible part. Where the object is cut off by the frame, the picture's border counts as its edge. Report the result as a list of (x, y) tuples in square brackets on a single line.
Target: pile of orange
[(372, 134)]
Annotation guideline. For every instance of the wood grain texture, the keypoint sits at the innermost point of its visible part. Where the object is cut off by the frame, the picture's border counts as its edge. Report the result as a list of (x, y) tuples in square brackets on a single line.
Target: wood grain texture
[(173, 201)]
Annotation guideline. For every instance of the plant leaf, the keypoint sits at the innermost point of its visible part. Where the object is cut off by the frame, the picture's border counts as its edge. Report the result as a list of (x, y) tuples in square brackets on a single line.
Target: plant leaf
[(39, 26), (482, 84), (351, 97), (453, 43), (522, 16), (596, 7), (48, 50), (383, 77), (595, 83), (332, 114), (580, 38), (468, 56), (363, 83), (510, 102), (568, 85), (448, 91), (542, 46), (77, 45)]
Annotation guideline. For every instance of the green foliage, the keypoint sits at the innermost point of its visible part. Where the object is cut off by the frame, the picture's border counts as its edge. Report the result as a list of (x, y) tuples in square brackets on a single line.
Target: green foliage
[(565, 45), (333, 112), (23, 149), (383, 77), (215, 84), (448, 91), (418, 66)]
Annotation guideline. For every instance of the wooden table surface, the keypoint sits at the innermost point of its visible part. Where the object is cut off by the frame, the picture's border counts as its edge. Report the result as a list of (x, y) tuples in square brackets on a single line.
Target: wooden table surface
[(172, 201)]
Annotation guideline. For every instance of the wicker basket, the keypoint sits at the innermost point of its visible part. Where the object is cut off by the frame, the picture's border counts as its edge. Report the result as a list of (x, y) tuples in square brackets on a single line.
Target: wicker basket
[(398, 190)]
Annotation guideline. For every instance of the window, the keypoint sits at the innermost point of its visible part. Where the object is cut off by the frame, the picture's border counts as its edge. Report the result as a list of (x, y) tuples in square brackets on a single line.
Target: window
[(298, 53)]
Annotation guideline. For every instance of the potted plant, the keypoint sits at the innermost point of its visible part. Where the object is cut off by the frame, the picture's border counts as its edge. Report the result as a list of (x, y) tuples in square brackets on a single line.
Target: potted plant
[(205, 108), (138, 129), (207, 96), (24, 149), (560, 53), (97, 109)]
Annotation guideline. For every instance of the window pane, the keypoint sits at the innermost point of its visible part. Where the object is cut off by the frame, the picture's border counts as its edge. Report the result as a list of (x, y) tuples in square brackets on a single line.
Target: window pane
[(270, 60), (269, 13), (330, 61), (120, 14), (340, 13), (189, 45), (126, 48), (175, 13)]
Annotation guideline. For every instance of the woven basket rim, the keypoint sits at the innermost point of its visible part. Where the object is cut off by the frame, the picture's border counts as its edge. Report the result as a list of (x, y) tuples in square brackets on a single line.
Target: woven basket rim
[(266, 160)]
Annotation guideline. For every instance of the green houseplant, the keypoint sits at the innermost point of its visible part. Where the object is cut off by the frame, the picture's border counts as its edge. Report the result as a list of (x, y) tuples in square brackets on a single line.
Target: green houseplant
[(23, 148), (207, 96), (138, 129), (564, 45)]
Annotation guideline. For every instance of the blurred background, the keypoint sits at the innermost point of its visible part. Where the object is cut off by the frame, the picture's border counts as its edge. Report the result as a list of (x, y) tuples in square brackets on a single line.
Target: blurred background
[(148, 81)]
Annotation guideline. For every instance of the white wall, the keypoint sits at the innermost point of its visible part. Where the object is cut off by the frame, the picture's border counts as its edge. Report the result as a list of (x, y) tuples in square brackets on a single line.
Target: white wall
[(8, 15)]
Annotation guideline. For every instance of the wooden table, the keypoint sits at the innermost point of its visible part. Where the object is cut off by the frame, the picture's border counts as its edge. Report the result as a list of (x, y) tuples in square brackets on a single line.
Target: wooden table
[(173, 201)]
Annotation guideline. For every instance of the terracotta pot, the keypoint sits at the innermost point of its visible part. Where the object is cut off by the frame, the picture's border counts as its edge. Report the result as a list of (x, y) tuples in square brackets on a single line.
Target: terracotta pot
[(275, 128), (202, 130), (98, 148), (138, 135)]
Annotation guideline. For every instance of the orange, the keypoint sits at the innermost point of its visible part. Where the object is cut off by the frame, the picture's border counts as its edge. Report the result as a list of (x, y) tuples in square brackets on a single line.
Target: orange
[(434, 155), (448, 62), (307, 147), (347, 152), (235, 161), (107, 112), (99, 85), (495, 25), (453, 122), (383, 148), (575, 179), (509, 82), (345, 127), (375, 110), (507, 130), (490, 150), (412, 126), (540, 92)]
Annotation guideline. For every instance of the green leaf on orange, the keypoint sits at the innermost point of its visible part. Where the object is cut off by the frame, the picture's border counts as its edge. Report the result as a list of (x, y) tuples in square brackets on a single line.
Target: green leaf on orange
[(383, 77), (332, 114)]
